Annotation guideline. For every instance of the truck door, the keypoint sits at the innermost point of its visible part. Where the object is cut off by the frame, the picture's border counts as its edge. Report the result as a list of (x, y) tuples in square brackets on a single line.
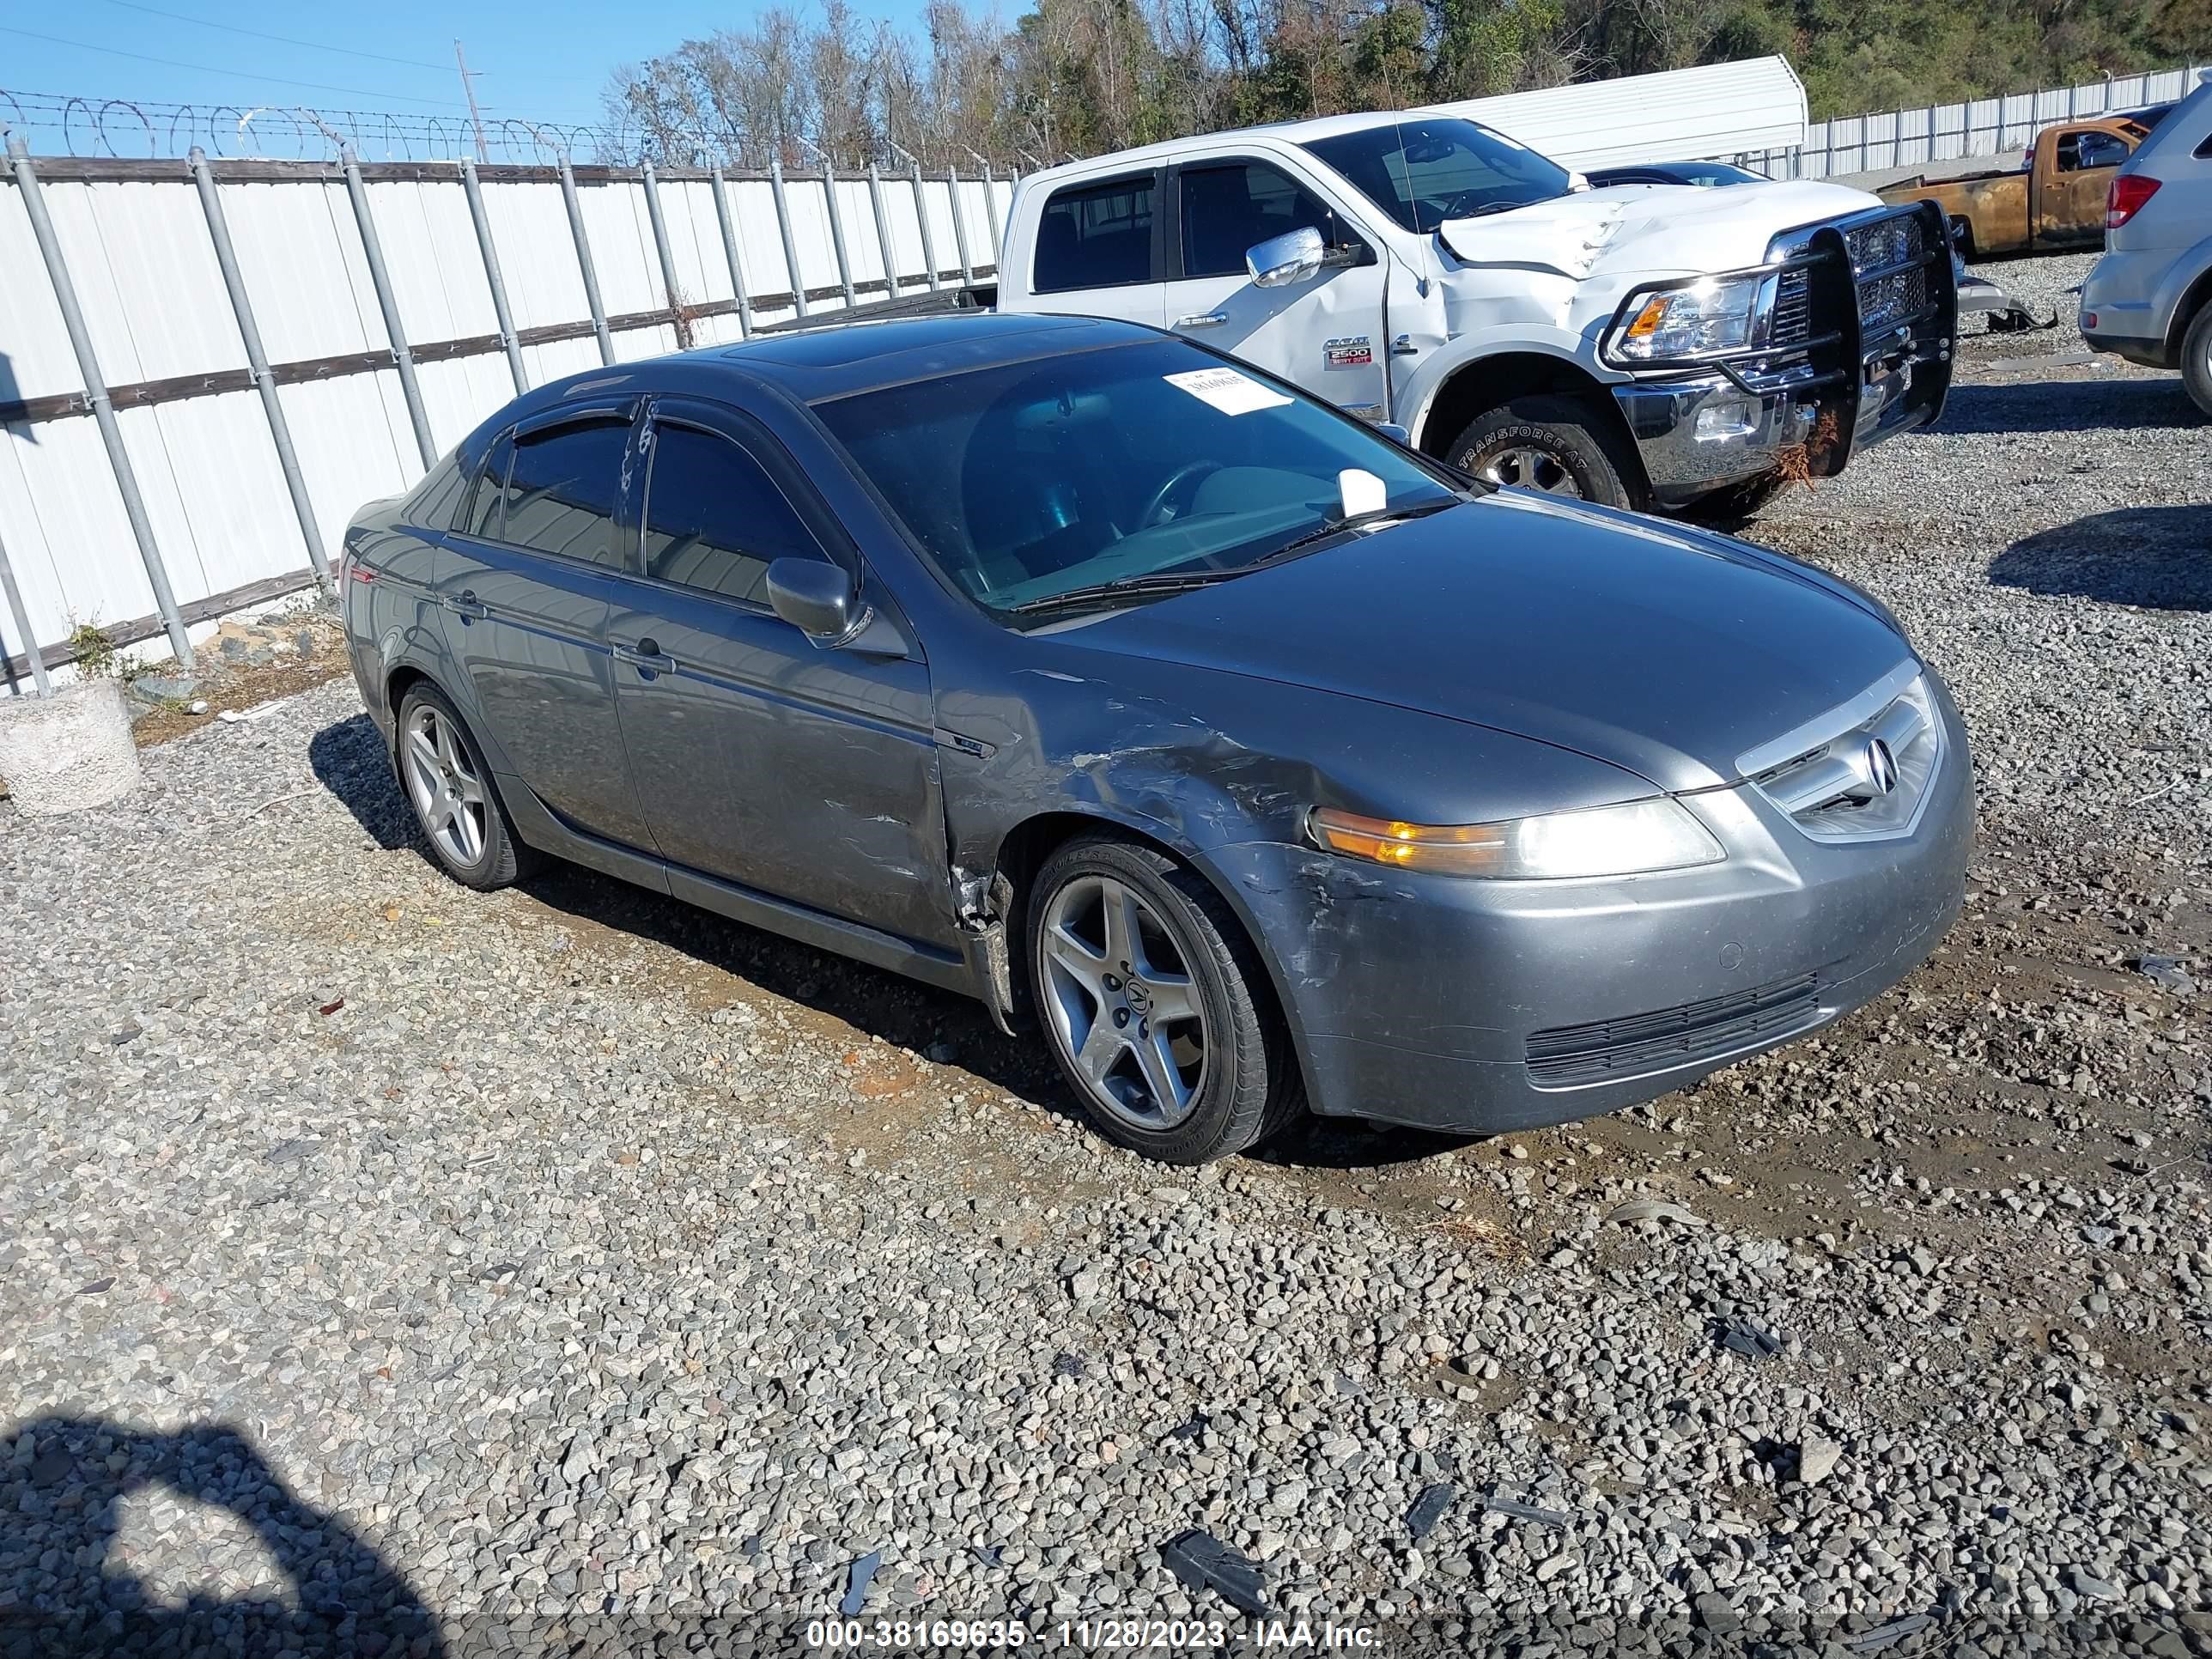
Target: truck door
[(1326, 333), (2070, 183), (1099, 247)]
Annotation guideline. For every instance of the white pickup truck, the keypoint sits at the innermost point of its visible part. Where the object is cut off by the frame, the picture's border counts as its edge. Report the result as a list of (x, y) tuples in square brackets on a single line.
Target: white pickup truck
[(1643, 346)]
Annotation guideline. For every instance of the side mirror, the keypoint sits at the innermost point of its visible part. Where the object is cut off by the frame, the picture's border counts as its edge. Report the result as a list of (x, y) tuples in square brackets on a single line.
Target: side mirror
[(818, 598), (1280, 261), (1395, 433)]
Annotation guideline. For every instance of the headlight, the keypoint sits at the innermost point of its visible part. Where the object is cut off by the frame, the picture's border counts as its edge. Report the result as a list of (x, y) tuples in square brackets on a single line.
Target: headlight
[(1633, 839), (1700, 320)]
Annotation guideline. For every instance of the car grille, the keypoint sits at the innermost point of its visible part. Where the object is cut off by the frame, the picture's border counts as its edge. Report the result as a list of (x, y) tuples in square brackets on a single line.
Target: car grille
[(1793, 308), (1886, 262), (1861, 771), (1605, 1050)]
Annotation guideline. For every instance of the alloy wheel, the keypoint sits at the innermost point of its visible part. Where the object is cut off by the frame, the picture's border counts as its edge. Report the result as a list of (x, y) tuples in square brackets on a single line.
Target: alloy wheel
[(447, 789), (1524, 467), (1123, 1004)]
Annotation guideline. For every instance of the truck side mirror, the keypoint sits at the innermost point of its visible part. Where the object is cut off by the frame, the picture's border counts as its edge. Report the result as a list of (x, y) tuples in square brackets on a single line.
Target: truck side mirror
[(1294, 257)]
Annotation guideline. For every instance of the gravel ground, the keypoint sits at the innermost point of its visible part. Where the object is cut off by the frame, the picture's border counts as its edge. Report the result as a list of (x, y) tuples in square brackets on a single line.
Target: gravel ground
[(393, 1268)]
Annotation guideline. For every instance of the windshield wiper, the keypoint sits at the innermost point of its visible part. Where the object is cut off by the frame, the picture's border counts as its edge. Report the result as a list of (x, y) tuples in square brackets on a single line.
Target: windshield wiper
[(1334, 527), (1177, 581), (1160, 581)]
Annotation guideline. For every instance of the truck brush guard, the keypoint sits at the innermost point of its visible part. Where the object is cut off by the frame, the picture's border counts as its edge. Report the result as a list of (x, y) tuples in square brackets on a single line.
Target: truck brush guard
[(1866, 316)]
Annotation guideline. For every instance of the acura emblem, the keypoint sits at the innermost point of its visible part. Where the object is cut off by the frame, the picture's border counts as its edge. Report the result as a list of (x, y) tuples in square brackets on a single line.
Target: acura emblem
[(1881, 766)]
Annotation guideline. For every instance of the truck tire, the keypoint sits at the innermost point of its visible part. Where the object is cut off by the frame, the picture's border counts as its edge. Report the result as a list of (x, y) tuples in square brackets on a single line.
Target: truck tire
[(2196, 358), (1559, 446)]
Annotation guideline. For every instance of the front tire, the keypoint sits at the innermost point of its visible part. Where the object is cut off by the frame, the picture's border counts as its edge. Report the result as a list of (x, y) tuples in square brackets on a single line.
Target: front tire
[(1557, 445), (2196, 358), (457, 804), (1154, 1004)]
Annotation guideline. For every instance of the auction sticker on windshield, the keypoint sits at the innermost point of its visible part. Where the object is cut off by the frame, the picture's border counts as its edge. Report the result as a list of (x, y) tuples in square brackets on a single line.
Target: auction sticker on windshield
[(1226, 390)]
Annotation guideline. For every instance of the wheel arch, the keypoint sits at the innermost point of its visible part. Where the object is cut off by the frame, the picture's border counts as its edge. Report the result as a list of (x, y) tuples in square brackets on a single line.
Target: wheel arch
[(2193, 299), (1481, 383), (1023, 852)]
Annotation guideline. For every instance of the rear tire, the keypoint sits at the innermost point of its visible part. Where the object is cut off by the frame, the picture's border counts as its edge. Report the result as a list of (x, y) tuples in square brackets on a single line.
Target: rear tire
[(1557, 445), (456, 801), (1172, 1042), (2196, 358)]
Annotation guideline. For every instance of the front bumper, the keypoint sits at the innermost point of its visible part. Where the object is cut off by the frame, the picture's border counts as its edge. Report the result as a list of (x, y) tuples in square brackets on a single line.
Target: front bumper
[(1696, 435), (1481, 1006), (1865, 352)]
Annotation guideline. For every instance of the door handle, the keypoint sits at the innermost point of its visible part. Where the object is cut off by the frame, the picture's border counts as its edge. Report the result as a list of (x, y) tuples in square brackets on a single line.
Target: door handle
[(646, 656), (1203, 319), (465, 605)]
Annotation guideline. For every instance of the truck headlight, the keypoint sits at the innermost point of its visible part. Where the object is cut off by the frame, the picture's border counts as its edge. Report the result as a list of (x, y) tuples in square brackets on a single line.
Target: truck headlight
[(1633, 839), (1693, 321)]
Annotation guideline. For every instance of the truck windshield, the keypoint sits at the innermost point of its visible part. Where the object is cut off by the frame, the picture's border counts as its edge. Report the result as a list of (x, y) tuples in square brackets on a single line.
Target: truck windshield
[(1423, 171), (1147, 466)]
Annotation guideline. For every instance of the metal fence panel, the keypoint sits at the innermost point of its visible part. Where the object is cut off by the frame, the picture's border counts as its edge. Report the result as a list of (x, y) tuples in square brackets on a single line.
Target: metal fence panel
[(1992, 127), (135, 241)]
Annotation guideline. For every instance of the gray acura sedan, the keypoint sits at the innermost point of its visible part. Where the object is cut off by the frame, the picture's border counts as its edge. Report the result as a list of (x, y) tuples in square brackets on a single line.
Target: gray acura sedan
[(1259, 764)]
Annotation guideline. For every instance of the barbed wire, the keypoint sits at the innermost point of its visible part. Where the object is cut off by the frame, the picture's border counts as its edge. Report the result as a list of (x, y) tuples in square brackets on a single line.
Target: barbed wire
[(53, 123)]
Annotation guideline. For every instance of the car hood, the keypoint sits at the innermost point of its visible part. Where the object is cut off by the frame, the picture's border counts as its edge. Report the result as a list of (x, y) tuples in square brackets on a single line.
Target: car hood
[(1666, 651), (1639, 229)]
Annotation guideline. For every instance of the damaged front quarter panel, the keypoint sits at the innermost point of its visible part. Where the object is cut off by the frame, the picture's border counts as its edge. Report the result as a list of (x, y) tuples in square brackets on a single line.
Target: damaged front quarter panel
[(1219, 768)]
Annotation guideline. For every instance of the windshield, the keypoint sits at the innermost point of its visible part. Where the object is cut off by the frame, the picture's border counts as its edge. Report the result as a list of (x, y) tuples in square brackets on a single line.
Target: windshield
[(1423, 171), (1029, 481)]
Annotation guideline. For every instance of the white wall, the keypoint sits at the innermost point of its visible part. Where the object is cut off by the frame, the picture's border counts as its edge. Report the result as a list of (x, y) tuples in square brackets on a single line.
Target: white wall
[(138, 252)]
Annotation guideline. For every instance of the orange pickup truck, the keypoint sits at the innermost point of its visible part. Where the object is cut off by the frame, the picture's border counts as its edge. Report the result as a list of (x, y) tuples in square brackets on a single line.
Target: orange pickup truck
[(2058, 201)]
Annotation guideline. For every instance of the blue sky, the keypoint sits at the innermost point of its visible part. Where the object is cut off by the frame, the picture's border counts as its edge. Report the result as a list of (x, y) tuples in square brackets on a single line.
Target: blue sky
[(540, 59)]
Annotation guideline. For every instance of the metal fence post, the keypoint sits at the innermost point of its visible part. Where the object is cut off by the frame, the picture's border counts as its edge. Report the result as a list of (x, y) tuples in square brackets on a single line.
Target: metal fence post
[(837, 230), (23, 626), (403, 358), (667, 261), (921, 214), (959, 223), (95, 392), (730, 253), (991, 212), (584, 259), (783, 224), (882, 233), (280, 431), (484, 245)]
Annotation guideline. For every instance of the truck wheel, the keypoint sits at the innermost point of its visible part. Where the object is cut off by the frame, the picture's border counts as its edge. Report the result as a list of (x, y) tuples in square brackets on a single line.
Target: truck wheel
[(1557, 445), (2196, 358)]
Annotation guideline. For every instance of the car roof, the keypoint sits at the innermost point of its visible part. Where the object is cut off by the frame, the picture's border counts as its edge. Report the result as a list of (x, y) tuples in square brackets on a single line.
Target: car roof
[(841, 359)]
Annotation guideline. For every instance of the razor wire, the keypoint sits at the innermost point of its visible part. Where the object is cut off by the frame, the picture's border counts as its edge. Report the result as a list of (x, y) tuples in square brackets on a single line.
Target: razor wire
[(58, 124)]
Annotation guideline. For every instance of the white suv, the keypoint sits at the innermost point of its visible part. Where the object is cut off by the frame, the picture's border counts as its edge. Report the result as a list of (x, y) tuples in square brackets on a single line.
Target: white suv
[(2149, 299)]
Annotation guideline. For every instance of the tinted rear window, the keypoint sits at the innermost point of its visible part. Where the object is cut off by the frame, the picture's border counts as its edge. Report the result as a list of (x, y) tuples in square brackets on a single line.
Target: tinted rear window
[(561, 492), (1096, 236)]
